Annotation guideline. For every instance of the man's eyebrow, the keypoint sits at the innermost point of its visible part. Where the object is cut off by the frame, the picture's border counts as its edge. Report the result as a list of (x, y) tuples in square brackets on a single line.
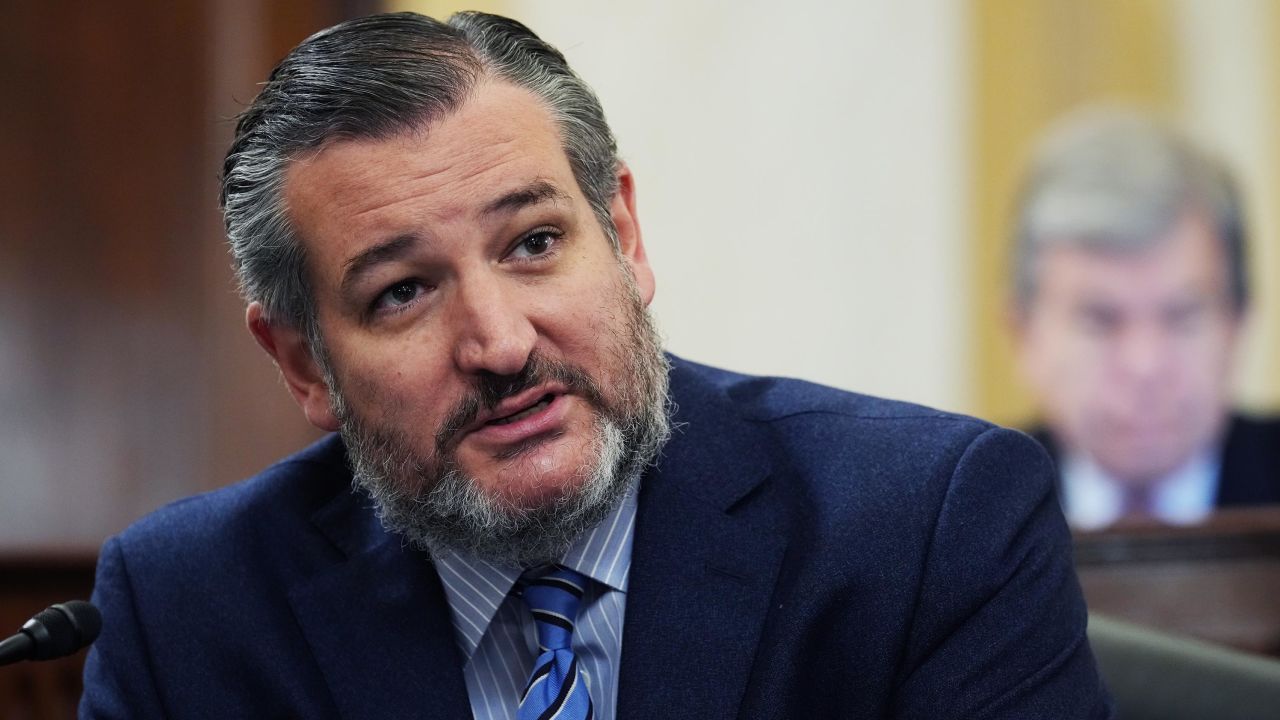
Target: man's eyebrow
[(357, 266), (538, 191)]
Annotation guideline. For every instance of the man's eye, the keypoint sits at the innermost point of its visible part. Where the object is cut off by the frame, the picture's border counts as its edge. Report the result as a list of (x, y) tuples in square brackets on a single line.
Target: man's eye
[(538, 243), (1098, 321), (402, 293), (1185, 318)]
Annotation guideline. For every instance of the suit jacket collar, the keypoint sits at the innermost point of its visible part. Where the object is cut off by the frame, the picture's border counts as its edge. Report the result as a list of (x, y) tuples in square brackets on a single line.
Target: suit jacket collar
[(376, 616), (704, 562)]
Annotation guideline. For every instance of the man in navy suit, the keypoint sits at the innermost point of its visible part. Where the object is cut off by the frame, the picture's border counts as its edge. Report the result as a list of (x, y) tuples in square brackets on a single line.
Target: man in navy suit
[(441, 252), (1132, 291)]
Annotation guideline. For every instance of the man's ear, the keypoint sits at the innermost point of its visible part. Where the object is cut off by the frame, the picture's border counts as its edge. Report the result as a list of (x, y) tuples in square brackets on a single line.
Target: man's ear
[(288, 347), (630, 243)]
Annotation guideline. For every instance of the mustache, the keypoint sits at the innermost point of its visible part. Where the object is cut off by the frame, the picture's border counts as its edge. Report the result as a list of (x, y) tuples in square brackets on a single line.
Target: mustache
[(487, 391)]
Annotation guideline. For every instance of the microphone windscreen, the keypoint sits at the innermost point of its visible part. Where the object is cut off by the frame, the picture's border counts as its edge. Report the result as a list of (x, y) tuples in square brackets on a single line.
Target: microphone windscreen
[(85, 618), (63, 629), (53, 633)]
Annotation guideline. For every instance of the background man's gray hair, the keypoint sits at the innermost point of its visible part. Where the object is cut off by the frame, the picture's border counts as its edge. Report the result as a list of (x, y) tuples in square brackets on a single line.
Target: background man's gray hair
[(1115, 179), (372, 78)]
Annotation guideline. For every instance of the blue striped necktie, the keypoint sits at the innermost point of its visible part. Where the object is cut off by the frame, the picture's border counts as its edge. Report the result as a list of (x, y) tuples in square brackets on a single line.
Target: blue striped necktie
[(557, 688)]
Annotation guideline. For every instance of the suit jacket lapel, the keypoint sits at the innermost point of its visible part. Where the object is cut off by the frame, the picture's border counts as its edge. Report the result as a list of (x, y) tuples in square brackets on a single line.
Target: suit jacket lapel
[(705, 559), (378, 623)]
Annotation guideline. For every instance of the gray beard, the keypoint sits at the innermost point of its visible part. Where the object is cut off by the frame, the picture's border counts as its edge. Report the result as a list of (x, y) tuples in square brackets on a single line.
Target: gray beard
[(437, 507), (456, 514)]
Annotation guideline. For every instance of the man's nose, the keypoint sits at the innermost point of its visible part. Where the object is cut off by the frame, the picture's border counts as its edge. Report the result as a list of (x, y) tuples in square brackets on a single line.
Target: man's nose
[(493, 331), (1143, 352)]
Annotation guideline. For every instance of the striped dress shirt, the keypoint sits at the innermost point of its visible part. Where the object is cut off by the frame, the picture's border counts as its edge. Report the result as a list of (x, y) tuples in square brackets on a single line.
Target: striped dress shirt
[(496, 633)]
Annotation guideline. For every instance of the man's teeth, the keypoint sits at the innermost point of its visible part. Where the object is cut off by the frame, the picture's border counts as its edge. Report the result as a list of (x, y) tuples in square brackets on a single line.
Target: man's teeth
[(523, 413)]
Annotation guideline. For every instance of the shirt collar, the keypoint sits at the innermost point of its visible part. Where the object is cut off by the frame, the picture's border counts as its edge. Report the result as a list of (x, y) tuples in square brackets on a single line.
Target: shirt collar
[(1092, 499), (476, 588), (1187, 496)]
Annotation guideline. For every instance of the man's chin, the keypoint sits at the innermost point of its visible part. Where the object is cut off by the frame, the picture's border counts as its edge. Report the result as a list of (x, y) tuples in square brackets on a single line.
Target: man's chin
[(520, 493), (525, 529), (532, 499), (1142, 466), (537, 478), (531, 518)]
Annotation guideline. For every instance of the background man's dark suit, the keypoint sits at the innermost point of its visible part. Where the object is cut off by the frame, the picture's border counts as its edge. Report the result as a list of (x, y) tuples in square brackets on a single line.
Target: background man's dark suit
[(1250, 460), (799, 552)]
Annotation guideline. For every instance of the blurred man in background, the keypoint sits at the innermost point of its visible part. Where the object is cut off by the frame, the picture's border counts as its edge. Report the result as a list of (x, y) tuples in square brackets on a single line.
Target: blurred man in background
[(1131, 289)]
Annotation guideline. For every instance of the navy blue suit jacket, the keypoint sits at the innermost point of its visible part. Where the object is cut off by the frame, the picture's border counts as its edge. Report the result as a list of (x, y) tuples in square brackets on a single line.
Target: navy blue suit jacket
[(799, 552)]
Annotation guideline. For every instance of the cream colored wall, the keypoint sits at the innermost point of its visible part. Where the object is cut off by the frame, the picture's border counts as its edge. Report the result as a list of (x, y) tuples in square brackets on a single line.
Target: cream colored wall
[(1231, 103), (801, 179)]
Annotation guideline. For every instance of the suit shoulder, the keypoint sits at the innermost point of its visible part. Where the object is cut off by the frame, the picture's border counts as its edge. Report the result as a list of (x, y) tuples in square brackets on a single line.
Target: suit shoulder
[(283, 495), (1260, 429), (850, 442), (769, 398), (1250, 473)]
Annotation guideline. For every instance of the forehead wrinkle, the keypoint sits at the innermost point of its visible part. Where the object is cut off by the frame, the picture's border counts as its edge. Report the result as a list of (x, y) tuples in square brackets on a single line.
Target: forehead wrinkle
[(464, 169), (351, 190), (540, 191)]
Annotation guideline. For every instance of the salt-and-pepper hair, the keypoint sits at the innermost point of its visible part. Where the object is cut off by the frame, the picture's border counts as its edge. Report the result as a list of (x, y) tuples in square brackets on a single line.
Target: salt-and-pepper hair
[(373, 78), (1115, 179)]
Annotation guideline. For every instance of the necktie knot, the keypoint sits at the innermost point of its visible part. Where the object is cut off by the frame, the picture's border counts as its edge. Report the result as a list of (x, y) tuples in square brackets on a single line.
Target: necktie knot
[(553, 598)]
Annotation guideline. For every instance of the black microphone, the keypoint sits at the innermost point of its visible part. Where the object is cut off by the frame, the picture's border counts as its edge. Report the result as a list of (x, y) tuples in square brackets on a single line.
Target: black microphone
[(54, 632)]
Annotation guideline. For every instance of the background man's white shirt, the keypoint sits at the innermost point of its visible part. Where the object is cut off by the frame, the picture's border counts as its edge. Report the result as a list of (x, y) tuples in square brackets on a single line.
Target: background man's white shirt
[(1092, 499)]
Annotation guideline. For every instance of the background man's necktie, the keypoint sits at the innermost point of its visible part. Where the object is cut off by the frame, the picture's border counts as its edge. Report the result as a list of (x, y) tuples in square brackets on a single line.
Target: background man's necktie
[(557, 687)]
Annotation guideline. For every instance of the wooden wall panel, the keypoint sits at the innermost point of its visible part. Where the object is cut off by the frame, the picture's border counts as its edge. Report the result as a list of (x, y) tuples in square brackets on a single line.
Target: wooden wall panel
[(126, 376), (100, 145), (1216, 581), (29, 584)]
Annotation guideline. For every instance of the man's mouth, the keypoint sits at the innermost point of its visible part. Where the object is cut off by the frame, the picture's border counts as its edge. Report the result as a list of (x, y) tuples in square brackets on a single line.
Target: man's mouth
[(541, 404), (539, 411)]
